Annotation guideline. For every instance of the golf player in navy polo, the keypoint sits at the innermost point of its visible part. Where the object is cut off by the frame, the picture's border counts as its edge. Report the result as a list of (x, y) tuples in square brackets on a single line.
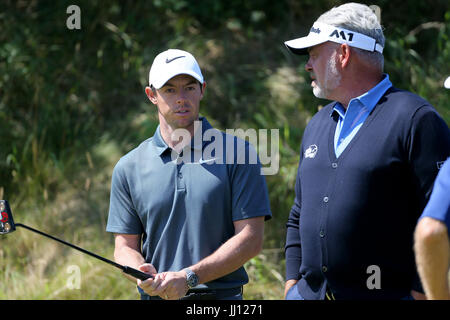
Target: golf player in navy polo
[(191, 221), (367, 165)]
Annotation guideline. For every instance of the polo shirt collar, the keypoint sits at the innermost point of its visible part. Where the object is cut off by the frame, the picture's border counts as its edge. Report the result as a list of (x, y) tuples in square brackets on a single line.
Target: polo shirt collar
[(158, 142), (368, 99), (197, 143)]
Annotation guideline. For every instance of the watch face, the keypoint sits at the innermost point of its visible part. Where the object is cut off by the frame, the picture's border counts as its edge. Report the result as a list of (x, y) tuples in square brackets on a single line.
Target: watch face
[(191, 279)]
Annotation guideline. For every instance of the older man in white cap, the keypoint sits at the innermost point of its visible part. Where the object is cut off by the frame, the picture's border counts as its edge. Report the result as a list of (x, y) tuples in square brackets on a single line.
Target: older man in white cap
[(191, 224), (367, 165)]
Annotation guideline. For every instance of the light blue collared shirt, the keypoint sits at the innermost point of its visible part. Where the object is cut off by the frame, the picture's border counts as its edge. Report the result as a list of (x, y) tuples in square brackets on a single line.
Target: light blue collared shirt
[(352, 119)]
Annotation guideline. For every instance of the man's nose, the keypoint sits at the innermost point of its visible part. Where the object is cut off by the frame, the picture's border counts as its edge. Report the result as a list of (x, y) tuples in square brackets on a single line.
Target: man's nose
[(181, 97), (308, 66)]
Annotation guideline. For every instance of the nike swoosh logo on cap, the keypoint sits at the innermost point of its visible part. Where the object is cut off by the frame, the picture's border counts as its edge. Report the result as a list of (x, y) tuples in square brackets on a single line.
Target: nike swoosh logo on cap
[(170, 60)]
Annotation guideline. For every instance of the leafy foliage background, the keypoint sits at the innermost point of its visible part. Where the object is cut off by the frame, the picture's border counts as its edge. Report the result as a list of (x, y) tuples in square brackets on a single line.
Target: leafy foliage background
[(72, 102)]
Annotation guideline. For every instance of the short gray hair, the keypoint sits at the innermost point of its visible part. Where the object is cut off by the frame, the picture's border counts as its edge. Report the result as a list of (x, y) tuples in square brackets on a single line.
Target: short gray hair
[(359, 18)]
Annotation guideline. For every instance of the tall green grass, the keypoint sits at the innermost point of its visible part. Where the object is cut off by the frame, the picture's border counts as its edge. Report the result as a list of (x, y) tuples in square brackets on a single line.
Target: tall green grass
[(71, 103)]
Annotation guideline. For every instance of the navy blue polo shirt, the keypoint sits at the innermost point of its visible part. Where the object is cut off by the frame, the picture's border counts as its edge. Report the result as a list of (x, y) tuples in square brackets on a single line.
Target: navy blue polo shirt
[(360, 209), (185, 209)]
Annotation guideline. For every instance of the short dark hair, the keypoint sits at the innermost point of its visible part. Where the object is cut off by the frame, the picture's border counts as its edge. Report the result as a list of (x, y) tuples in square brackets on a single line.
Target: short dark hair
[(154, 89)]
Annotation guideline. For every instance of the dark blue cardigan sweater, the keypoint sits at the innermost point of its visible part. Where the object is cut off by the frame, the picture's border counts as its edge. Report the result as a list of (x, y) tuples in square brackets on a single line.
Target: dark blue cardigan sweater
[(360, 210)]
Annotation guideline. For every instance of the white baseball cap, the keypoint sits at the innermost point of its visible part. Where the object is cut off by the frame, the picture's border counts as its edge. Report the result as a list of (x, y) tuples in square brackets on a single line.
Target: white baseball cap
[(171, 63), (321, 32)]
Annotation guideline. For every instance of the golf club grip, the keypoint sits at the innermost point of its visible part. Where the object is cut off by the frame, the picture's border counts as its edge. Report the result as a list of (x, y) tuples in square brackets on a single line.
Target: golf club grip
[(136, 273)]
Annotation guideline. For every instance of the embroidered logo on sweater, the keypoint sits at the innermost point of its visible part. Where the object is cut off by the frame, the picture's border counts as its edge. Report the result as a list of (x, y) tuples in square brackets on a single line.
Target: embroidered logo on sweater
[(311, 151)]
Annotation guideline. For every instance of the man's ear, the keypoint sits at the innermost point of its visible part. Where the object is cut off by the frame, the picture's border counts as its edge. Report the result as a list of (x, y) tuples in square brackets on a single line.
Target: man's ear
[(203, 89), (344, 55), (151, 96)]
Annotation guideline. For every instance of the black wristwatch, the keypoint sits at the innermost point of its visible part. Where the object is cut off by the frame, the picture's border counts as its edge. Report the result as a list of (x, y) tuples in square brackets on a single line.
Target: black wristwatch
[(191, 278)]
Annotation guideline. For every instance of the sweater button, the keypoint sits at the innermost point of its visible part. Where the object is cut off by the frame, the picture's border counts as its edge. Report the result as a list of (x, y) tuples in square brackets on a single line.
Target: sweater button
[(334, 165), (325, 199), (324, 269), (322, 233)]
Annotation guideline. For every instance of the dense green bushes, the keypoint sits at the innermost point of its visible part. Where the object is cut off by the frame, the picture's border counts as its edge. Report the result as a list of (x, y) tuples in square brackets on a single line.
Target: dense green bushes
[(72, 101)]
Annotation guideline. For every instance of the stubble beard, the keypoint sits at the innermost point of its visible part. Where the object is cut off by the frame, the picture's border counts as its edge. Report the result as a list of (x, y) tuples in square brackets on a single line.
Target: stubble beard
[(332, 80)]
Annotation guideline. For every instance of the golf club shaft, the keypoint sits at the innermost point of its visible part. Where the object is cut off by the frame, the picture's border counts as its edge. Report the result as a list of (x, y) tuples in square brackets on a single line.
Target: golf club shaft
[(128, 270)]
